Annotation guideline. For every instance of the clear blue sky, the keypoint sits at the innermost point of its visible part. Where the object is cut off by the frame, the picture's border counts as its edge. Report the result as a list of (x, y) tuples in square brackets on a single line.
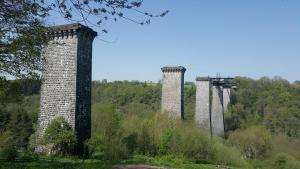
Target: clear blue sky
[(252, 38)]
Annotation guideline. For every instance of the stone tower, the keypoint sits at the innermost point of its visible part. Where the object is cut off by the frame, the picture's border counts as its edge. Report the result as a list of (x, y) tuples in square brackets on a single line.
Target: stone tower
[(66, 80), (172, 101), (202, 109), (217, 112)]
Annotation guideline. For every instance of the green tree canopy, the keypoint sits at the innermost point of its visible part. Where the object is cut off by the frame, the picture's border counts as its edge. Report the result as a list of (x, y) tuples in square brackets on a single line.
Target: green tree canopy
[(22, 27)]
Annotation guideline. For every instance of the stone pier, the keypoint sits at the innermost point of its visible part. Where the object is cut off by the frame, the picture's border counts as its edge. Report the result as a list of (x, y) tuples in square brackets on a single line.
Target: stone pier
[(66, 80), (226, 98), (202, 109), (172, 101), (217, 112)]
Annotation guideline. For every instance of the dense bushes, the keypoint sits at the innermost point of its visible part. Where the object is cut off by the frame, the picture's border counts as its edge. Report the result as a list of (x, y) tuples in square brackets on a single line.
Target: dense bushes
[(273, 103), (59, 137), (123, 125), (254, 142), (106, 142), (8, 153), (120, 136)]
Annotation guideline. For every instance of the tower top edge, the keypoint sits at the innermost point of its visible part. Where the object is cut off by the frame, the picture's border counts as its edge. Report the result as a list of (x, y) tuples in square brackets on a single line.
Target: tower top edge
[(173, 69), (71, 27), (203, 78)]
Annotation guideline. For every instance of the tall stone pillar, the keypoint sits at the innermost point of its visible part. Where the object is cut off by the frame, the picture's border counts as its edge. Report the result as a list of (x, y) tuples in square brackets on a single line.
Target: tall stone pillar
[(172, 91), (202, 109), (66, 80), (226, 98), (217, 112)]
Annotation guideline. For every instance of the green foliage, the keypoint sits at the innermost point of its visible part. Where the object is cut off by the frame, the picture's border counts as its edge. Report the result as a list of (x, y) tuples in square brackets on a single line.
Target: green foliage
[(160, 135), (118, 136), (8, 150), (124, 125), (169, 161), (254, 142), (128, 97), (284, 161), (226, 155), (9, 92), (286, 145), (189, 100), (8, 153), (21, 38), (280, 162), (274, 103), (20, 125), (56, 163), (106, 140), (166, 139), (60, 137), (18, 129)]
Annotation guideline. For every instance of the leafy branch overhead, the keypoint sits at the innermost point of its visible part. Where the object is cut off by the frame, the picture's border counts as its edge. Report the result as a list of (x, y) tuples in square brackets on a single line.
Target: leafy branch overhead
[(22, 27), (96, 12)]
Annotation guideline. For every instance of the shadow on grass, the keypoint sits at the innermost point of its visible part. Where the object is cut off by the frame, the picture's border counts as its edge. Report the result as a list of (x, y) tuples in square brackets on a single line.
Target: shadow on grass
[(55, 164)]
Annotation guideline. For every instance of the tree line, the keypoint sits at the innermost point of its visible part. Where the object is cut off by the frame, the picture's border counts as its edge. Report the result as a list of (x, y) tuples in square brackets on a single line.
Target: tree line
[(262, 123)]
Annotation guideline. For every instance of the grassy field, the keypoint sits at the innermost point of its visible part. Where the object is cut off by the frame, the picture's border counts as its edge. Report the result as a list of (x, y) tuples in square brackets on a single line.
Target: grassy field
[(65, 163)]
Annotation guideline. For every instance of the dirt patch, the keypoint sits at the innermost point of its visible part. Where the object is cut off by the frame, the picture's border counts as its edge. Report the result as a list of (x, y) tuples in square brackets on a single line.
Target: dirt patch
[(137, 167)]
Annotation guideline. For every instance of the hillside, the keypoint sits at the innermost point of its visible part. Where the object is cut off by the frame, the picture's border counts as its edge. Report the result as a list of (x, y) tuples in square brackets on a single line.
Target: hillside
[(262, 124)]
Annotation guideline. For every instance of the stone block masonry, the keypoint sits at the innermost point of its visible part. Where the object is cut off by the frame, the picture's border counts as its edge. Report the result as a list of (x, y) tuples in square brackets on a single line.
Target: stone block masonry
[(217, 112), (172, 101), (226, 98), (202, 108), (66, 80), (212, 100)]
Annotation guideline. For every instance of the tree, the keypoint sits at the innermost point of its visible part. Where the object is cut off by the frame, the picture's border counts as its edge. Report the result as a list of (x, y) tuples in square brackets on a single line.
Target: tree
[(60, 137), (253, 142), (22, 27), (21, 38)]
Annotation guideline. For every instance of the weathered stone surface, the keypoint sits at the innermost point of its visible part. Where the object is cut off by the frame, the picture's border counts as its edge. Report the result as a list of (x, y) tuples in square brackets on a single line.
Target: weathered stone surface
[(66, 79), (202, 109), (172, 91), (212, 100), (217, 112), (226, 98)]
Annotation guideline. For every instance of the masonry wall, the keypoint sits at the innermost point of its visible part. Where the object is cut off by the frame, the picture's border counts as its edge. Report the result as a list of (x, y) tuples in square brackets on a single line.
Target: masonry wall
[(172, 93), (202, 108), (58, 90), (217, 115), (83, 90), (66, 81), (226, 98)]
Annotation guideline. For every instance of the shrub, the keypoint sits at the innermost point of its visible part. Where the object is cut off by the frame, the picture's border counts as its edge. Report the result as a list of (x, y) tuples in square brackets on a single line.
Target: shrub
[(285, 161), (106, 142), (253, 142), (9, 153), (280, 162), (59, 137), (107, 149), (226, 155), (118, 138), (286, 145), (160, 135), (166, 139), (8, 146), (130, 141), (147, 138)]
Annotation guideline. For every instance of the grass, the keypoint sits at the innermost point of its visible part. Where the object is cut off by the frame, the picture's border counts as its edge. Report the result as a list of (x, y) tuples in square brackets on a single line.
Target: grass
[(169, 161), (57, 163), (72, 163)]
